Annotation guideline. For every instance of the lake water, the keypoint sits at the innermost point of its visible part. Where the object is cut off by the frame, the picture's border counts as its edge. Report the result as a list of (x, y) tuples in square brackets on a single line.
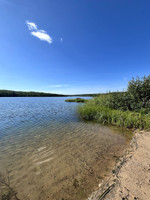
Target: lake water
[(50, 153)]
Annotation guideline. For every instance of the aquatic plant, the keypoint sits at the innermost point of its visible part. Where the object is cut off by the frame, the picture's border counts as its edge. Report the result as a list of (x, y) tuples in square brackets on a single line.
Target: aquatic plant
[(77, 100)]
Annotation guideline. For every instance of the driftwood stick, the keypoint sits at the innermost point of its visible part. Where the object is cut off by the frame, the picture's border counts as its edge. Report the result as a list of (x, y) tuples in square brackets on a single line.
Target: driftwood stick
[(107, 191), (103, 195), (120, 166)]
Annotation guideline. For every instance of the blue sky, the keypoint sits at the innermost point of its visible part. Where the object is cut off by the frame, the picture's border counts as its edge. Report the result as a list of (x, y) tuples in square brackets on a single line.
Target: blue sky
[(73, 46)]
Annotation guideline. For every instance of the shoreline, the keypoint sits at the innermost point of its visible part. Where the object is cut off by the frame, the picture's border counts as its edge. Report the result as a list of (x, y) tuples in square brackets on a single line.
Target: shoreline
[(130, 178)]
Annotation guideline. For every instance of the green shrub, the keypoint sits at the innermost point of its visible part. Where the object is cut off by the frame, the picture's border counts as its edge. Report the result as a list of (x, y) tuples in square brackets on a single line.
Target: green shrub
[(139, 92), (130, 109), (136, 98)]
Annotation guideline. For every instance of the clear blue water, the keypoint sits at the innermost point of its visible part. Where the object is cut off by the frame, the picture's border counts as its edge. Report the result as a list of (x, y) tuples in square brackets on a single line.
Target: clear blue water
[(45, 146), (20, 114)]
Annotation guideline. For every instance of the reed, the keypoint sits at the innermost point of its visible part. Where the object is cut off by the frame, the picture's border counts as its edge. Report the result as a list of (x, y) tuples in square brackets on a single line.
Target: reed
[(129, 109), (106, 115)]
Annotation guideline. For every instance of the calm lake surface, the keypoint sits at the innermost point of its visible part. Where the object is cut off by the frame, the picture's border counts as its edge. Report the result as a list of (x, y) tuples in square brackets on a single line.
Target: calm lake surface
[(50, 153)]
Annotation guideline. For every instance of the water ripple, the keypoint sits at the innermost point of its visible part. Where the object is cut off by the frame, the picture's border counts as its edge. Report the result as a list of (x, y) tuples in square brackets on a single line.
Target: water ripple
[(46, 147)]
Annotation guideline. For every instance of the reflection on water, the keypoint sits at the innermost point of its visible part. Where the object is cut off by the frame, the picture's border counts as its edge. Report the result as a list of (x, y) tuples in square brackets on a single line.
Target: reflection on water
[(50, 153)]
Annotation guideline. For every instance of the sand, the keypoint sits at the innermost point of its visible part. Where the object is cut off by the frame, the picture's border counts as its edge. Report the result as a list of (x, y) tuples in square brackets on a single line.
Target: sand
[(66, 164), (130, 180)]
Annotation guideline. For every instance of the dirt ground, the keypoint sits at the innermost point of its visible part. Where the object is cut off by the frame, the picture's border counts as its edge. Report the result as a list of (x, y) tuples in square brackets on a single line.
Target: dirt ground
[(130, 180)]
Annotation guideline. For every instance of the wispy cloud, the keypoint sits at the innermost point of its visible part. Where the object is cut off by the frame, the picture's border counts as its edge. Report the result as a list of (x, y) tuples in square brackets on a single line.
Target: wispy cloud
[(41, 34), (31, 26), (61, 39), (58, 86)]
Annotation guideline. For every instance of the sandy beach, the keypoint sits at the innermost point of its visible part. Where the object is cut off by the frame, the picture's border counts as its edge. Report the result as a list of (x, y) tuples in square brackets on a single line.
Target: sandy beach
[(130, 179)]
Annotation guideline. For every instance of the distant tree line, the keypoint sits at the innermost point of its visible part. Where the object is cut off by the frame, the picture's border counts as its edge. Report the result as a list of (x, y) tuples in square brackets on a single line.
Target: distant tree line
[(10, 93)]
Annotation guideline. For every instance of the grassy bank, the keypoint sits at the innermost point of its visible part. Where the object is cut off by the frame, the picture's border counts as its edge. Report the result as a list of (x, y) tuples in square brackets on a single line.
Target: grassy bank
[(130, 109), (107, 115)]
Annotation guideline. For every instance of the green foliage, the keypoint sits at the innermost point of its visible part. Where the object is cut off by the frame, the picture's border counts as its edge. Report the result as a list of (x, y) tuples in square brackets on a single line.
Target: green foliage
[(77, 100), (116, 100), (137, 97), (107, 115), (139, 93), (129, 109)]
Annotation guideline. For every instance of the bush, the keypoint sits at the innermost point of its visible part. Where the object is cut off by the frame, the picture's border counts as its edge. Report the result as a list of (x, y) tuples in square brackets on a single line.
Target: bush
[(139, 92), (130, 109), (137, 97)]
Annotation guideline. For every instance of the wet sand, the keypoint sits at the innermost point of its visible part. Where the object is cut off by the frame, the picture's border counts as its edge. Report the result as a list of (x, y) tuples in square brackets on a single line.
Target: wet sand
[(130, 179)]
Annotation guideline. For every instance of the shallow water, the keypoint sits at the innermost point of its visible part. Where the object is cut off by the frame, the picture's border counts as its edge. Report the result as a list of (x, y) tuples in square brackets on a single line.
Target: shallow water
[(50, 153)]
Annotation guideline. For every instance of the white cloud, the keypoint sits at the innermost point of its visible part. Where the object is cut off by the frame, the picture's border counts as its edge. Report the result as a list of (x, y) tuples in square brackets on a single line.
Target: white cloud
[(31, 26), (41, 34), (57, 86), (61, 39)]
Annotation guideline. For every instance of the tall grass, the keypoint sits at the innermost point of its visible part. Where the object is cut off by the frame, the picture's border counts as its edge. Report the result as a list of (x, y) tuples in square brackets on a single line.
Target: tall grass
[(130, 109), (94, 110)]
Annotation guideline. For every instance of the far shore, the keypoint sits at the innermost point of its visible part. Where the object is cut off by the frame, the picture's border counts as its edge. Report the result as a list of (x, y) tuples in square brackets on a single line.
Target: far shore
[(130, 179)]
